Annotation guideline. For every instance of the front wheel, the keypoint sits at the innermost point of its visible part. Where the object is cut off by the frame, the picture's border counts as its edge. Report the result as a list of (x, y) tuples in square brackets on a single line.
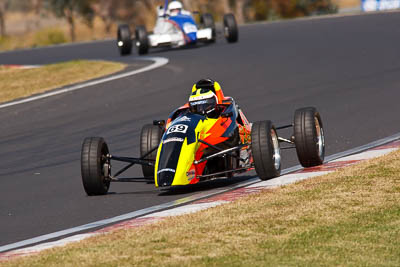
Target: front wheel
[(142, 41), (207, 21), (95, 166), (309, 137), (150, 138), (124, 40), (230, 28), (265, 150)]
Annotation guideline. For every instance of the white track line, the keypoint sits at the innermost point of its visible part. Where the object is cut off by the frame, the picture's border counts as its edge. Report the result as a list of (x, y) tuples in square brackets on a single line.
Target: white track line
[(158, 62), (286, 178), (191, 208)]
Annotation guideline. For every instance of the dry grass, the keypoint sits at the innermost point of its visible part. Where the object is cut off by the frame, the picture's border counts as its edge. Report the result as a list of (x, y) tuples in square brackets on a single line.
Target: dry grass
[(18, 83), (347, 3), (31, 36), (350, 217)]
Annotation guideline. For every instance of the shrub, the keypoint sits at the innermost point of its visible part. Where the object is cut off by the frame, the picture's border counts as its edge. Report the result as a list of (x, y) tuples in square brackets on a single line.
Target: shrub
[(274, 9), (49, 37)]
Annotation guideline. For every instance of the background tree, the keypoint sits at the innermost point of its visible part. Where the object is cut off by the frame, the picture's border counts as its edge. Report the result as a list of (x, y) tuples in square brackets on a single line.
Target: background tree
[(188, 4), (105, 9), (239, 10), (3, 9), (226, 7), (37, 6), (69, 9)]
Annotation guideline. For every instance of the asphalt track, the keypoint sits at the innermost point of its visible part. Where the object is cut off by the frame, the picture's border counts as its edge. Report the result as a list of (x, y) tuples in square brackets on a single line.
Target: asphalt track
[(348, 67)]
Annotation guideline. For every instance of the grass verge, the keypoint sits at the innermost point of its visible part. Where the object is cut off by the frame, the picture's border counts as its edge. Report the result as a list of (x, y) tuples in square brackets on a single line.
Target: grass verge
[(17, 83), (26, 30), (350, 217)]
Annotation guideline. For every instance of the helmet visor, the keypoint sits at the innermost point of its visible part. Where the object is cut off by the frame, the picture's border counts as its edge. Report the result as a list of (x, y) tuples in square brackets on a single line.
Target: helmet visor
[(203, 106)]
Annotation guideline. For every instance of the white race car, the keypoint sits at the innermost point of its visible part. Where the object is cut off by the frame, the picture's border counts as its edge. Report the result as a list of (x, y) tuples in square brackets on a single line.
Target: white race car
[(175, 27)]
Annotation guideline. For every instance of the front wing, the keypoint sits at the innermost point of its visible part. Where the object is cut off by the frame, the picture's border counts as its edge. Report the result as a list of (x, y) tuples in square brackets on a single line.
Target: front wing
[(178, 39)]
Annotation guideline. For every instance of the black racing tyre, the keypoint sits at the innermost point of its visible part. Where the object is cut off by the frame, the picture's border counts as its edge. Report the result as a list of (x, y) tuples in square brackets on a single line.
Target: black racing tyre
[(95, 167), (142, 40), (309, 137), (231, 30), (150, 138), (124, 40), (207, 21), (265, 150)]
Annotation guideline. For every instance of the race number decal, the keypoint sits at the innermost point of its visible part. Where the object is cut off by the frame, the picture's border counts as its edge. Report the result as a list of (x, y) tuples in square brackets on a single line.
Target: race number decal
[(179, 128), (189, 28)]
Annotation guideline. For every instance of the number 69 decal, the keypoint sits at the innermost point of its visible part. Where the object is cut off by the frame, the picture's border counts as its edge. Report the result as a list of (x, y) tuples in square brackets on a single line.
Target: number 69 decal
[(179, 128)]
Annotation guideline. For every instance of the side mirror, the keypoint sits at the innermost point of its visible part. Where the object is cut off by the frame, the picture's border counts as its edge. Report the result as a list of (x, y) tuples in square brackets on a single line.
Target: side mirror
[(227, 115), (159, 122)]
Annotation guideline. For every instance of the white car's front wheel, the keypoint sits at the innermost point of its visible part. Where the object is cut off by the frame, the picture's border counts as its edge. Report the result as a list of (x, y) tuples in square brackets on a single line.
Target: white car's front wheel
[(124, 40), (231, 30), (142, 40), (207, 21)]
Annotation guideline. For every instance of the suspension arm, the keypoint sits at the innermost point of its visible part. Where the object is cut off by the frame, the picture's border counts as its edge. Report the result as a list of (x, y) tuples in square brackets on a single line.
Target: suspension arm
[(221, 152), (284, 127), (132, 161), (224, 172), (281, 139)]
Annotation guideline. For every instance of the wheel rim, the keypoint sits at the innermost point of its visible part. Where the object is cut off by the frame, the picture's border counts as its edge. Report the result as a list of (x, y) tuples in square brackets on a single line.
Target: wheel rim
[(276, 150), (226, 31), (320, 138), (105, 164)]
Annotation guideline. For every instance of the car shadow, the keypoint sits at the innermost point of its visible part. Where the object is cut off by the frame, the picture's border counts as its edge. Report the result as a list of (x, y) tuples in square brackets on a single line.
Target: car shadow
[(186, 189), (205, 185), (182, 48)]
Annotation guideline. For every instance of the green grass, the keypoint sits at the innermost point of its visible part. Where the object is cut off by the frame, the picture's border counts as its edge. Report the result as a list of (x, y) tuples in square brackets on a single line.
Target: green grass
[(348, 218), (18, 83)]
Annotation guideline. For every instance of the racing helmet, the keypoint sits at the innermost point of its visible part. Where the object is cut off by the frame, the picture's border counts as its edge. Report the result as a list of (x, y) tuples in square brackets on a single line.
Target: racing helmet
[(203, 101), (212, 85), (175, 7)]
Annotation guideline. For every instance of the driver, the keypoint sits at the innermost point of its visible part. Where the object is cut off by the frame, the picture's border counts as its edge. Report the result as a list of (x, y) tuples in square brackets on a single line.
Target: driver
[(175, 8), (203, 102), (206, 94)]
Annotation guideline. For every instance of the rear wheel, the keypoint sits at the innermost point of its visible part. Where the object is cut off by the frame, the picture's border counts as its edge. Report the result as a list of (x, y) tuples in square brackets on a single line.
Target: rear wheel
[(265, 150), (150, 138), (309, 137), (124, 40), (95, 167), (142, 41), (207, 21), (230, 28)]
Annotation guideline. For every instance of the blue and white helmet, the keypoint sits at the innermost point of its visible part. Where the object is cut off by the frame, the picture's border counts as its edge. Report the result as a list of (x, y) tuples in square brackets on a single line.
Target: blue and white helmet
[(175, 7)]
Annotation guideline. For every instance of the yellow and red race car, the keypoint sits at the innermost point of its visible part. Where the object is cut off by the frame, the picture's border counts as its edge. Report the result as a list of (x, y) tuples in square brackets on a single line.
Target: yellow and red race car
[(207, 138)]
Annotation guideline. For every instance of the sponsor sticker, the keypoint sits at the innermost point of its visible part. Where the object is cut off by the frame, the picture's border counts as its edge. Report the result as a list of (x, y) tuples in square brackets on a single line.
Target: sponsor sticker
[(173, 139), (376, 5), (200, 97), (191, 174), (182, 119), (166, 170), (198, 102), (189, 28), (179, 128)]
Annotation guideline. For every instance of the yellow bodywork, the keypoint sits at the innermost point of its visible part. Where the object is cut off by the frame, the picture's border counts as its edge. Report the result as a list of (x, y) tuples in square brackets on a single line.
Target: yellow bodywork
[(187, 153)]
